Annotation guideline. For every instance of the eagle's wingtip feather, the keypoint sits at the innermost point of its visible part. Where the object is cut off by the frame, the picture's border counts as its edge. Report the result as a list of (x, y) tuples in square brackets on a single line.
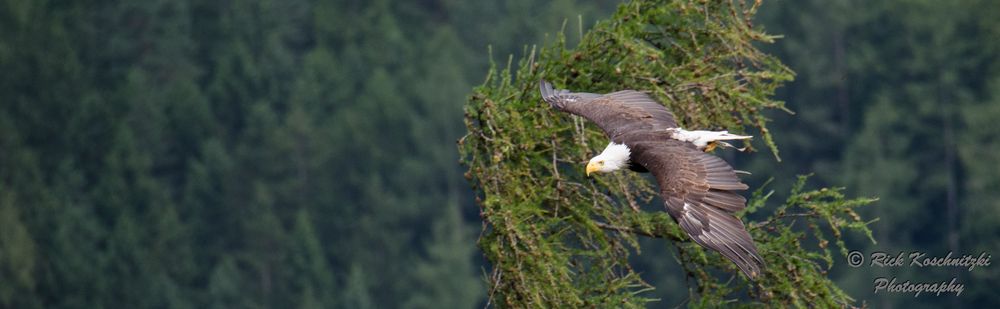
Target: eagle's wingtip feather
[(546, 90)]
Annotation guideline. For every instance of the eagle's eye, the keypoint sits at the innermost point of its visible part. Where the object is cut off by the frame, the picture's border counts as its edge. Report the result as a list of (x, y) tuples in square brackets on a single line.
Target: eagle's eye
[(600, 162)]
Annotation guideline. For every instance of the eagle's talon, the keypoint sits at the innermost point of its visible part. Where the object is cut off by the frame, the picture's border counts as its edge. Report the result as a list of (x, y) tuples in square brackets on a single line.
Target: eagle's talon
[(711, 146)]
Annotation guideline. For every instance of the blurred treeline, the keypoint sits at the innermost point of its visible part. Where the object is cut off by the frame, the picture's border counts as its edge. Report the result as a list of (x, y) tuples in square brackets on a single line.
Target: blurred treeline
[(898, 100), (301, 153), (239, 154)]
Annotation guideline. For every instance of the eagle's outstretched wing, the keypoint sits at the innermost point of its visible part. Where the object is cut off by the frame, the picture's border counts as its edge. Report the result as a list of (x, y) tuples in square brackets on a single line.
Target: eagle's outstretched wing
[(698, 192), (697, 187), (617, 113)]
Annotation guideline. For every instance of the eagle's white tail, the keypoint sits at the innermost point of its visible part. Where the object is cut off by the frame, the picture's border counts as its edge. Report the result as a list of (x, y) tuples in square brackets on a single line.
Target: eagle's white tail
[(702, 139)]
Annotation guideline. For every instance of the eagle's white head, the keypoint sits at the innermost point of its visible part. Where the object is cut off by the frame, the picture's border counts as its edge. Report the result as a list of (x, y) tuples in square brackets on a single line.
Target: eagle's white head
[(614, 157)]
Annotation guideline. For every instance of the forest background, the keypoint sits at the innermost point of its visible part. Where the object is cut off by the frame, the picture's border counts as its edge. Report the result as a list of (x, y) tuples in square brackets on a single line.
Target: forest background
[(267, 153)]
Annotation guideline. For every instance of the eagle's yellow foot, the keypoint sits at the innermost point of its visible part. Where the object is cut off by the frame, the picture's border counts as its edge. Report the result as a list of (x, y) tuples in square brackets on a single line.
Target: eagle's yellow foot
[(711, 146)]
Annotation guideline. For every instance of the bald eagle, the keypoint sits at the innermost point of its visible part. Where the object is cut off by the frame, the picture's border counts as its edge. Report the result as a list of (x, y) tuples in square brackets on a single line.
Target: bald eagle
[(698, 189)]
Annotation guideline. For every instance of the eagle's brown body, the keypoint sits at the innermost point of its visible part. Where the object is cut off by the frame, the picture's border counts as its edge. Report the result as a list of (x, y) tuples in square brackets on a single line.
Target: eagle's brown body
[(698, 188)]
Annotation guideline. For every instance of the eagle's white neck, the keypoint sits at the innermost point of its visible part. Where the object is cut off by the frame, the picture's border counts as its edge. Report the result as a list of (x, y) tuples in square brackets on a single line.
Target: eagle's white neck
[(614, 157)]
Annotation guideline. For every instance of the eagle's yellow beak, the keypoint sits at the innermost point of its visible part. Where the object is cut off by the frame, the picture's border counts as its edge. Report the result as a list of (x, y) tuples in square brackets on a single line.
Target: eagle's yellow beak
[(591, 167)]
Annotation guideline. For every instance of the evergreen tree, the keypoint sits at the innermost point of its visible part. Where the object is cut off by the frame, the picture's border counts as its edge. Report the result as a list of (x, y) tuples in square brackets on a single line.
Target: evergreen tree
[(556, 240), (18, 253)]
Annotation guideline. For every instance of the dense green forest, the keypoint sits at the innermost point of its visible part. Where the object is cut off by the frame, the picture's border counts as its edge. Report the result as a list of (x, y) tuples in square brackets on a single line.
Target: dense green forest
[(898, 100), (242, 154)]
